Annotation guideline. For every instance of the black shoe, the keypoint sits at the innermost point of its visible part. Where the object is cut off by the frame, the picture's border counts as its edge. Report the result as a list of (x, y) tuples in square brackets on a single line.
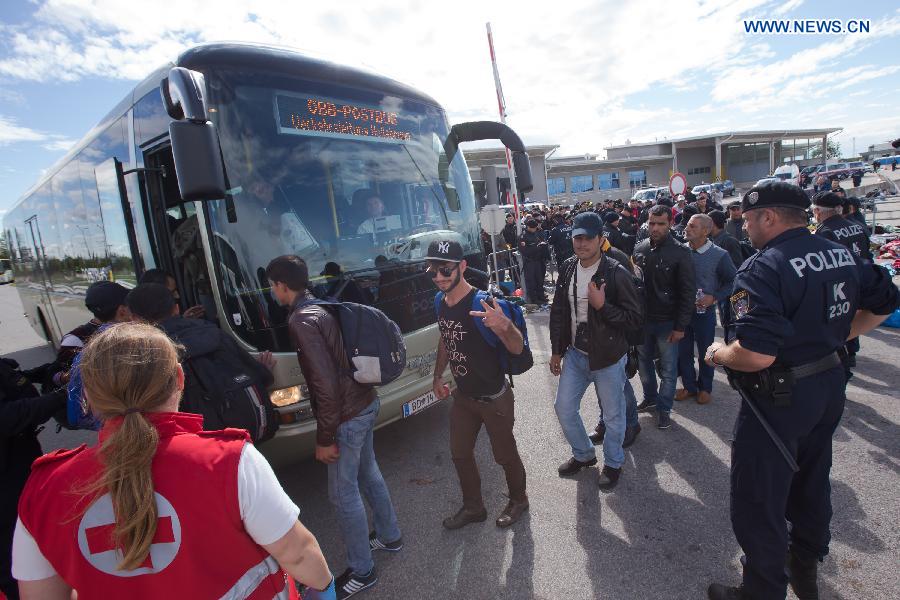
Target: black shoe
[(646, 406), (464, 517), (631, 434), (599, 432), (609, 477), (717, 591), (663, 420), (573, 465), (803, 575), (350, 583), (376, 544)]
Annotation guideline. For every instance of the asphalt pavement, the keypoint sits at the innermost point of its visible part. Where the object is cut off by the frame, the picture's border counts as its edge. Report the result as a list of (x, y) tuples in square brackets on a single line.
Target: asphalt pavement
[(663, 533)]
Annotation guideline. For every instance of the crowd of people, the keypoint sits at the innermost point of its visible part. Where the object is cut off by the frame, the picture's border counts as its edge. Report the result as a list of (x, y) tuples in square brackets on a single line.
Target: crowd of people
[(637, 289)]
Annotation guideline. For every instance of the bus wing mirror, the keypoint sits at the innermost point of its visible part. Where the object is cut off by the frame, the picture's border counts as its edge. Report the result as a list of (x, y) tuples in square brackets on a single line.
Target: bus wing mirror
[(491, 130), (184, 94), (198, 160)]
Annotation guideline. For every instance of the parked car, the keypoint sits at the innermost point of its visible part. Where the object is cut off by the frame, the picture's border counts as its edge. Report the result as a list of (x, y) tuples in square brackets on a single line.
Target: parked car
[(788, 173), (703, 187), (651, 193), (726, 187), (765, 180)]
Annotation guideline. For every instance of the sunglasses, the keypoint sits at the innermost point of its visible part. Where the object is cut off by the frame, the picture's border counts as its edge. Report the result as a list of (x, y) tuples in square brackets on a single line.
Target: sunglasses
[(434, 269)]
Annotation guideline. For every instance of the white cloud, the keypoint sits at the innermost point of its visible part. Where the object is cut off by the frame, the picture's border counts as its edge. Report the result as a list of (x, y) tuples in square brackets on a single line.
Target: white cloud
[(12, 133), (787, 7)]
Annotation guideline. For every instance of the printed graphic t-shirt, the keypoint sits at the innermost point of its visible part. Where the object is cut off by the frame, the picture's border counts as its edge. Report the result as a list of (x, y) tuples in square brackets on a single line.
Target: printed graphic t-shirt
[(473, 362)]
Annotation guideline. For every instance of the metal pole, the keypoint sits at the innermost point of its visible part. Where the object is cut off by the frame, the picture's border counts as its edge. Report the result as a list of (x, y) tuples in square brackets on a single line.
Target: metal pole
[(501, 105)]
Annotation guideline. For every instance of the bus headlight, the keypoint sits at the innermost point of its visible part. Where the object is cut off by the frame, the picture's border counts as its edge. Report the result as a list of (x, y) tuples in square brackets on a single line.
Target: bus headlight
[(286, 396)]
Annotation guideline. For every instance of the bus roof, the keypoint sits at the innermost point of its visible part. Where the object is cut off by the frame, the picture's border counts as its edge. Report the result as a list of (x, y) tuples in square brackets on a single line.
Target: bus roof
[(238, 55)]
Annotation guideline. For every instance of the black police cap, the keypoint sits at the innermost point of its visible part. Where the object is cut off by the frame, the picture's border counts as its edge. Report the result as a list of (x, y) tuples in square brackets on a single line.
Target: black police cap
[(827, 200), (775, 194)]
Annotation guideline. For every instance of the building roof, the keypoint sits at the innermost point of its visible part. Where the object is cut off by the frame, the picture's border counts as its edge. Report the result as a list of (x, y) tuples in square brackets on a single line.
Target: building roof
[(488, 157), (574, 165), (740, 136)]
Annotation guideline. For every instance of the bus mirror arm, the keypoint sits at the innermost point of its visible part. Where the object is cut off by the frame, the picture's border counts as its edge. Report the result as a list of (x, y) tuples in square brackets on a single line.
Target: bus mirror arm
[(184, 95), (472, 131)]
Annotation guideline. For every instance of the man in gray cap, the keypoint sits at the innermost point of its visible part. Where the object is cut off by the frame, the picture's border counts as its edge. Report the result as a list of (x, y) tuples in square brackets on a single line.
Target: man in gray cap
[(795, 304), (734, 226)]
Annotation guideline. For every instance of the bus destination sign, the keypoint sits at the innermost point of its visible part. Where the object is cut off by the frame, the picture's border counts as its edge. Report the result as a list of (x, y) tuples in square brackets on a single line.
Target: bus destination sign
[(309, 115)]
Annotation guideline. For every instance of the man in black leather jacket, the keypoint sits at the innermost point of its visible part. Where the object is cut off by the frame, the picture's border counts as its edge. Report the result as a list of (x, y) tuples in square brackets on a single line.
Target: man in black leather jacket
[(670, 293), (595, 303)]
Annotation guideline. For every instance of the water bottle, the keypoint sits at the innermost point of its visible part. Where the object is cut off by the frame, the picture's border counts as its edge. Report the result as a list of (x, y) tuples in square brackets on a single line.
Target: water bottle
[(701, 310)]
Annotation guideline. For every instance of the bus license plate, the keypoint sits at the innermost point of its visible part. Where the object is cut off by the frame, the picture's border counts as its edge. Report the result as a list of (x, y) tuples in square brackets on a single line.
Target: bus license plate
[(419, 404)]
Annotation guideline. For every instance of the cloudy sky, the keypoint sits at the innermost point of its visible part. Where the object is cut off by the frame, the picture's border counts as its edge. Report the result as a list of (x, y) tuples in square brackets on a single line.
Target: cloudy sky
[(581, 74)]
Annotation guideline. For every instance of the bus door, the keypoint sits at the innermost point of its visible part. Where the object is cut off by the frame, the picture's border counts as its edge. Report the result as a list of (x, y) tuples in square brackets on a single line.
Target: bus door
[(176, 230), (51, 326)]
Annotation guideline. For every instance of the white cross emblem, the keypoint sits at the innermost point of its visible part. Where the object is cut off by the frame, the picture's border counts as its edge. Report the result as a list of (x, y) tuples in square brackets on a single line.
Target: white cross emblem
[(96, 543), (444, 247)]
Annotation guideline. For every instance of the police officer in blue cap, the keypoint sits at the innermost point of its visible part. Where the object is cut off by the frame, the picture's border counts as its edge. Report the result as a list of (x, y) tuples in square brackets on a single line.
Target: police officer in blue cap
[(795, 303)]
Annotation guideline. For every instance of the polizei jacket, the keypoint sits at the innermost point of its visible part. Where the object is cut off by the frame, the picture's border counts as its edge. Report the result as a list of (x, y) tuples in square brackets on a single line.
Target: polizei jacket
[(668, 281), (606, 327)]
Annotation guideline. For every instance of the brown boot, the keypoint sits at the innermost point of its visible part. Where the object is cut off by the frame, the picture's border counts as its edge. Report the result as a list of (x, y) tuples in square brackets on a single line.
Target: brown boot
[(683, 394), (464, 517), (703, 398), (512, 513)]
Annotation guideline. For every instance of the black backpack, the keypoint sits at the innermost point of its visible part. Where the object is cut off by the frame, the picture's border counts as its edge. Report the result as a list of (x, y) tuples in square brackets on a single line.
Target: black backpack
[(228, 388), (634, 336), (372, 341)]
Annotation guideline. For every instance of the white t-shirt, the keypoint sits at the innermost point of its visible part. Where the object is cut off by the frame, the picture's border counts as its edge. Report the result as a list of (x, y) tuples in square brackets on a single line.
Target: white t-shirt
[(266, 510), (584, 278)]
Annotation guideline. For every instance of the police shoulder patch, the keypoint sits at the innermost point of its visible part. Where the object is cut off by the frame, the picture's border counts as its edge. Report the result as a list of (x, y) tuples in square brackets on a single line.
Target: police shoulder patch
[(740, 303)]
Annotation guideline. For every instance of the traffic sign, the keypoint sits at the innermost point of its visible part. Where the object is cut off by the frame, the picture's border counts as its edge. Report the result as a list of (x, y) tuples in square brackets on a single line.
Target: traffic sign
[(493, 219), (677, 184)]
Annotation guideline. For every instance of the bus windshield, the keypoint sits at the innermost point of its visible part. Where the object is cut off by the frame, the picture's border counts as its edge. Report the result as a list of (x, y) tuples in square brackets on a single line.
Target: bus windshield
[(354, 181)]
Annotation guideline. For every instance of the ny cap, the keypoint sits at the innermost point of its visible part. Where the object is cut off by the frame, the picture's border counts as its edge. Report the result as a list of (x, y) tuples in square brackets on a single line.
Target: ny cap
[(445, 250)]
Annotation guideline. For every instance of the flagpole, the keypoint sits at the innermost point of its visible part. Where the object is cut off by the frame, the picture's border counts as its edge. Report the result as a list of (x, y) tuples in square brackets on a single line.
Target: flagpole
[(501, 105)]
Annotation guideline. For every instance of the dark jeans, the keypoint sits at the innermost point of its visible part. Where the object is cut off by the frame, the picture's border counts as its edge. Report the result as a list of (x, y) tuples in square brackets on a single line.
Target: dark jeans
[(466, 418), (701, 332), (765, 492), (534, 282), (655, 343)]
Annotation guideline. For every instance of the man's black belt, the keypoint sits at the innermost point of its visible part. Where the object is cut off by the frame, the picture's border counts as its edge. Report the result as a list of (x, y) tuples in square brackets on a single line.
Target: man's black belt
[(817, 366)]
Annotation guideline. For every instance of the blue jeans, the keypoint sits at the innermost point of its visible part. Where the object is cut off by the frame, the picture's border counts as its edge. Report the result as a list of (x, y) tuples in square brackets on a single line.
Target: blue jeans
[(702, 332), (609, 383), (631, 413), (655, 336), (357, 471)]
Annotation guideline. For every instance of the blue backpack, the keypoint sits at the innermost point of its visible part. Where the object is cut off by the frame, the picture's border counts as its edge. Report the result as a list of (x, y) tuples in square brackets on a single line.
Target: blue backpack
[(510, 363), (373, 342)]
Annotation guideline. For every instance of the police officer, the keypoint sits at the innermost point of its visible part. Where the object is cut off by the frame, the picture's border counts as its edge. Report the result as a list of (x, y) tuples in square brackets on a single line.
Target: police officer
[(22, 410), (534, 254), (826, 210), (561, 239), (795, 304)]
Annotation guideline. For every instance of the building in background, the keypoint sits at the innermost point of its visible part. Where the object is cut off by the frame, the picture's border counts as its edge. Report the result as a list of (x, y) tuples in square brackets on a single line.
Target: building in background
[(741, 156)]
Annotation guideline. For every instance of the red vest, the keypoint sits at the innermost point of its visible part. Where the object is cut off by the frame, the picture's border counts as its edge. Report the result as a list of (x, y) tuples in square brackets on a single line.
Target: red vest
[(200, 549)]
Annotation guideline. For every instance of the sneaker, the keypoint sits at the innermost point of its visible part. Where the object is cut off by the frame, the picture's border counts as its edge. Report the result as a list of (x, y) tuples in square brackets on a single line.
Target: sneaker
[(646, 406), (631, 434), (573, 465), (349, 583), (376, 544), (599, 433), (512, 513), (663, 420), (609, 477)]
